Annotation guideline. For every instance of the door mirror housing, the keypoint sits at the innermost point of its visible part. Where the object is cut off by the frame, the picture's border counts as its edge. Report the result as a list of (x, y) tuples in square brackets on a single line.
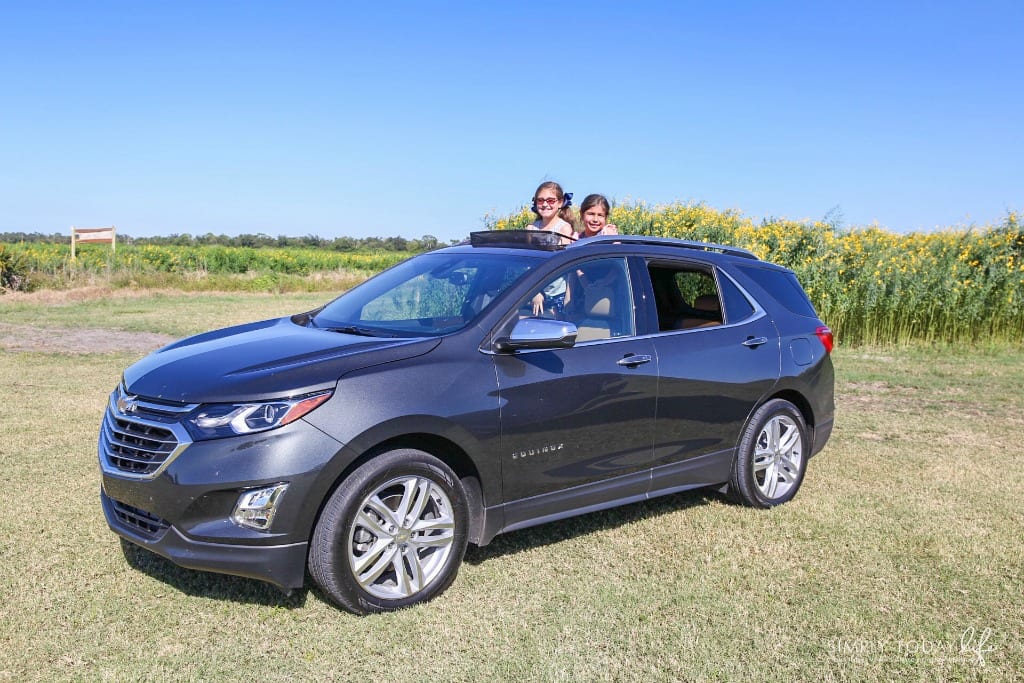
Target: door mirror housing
[(538, 333)]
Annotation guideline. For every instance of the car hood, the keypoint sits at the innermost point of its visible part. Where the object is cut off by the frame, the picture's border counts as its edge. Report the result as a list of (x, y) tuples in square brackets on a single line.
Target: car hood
[(258, 361)]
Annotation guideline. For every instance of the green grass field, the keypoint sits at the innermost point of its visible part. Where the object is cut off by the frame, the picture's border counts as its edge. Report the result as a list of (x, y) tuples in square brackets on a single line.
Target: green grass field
[(900, 559)]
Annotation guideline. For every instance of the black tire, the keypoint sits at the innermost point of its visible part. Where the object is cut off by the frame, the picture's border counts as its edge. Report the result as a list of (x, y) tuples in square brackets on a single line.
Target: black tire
[(772, 456), (402, 515)]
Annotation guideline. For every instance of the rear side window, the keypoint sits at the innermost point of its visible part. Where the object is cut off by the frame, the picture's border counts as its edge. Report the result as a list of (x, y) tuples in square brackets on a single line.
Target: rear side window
[(686, 297), (784, 287)]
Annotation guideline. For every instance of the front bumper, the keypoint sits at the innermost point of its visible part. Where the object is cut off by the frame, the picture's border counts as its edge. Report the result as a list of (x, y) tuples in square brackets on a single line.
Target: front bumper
[(281, 565), (184, 513)]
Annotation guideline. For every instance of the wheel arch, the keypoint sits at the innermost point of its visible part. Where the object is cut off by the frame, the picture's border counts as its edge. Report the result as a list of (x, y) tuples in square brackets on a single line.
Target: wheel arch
[(787, 394), (445, 450), (798, 400), (735, 489)]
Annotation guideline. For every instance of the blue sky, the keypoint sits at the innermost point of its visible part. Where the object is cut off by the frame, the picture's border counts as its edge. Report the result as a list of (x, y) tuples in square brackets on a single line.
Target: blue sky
[(414, 118)]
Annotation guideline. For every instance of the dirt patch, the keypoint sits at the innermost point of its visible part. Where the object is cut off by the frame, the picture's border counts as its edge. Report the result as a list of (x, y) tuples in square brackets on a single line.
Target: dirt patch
[(31, 338), (89, 293), (46, 339)]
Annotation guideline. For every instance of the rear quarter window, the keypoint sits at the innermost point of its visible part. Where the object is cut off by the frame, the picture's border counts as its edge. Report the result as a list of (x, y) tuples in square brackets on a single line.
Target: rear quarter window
[(737, 307), (783, 286)]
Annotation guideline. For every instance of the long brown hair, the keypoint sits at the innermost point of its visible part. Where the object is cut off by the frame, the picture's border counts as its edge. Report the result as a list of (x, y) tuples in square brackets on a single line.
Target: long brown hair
[(565, 213)]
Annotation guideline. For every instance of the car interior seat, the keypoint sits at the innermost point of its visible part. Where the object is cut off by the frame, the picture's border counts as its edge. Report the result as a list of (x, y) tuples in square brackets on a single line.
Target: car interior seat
[(706, 313), (597, 320), (602, 297), (667, 298)]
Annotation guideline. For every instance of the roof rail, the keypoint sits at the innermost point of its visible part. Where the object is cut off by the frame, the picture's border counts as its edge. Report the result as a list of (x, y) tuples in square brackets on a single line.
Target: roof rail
[(667, 242)]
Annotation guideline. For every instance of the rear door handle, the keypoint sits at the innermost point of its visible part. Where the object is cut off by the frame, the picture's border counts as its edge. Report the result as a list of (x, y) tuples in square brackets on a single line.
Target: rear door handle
[(755, 341), (632, 360)]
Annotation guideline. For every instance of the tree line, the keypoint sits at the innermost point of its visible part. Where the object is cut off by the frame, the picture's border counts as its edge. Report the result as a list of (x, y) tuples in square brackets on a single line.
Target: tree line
[(424, 243)]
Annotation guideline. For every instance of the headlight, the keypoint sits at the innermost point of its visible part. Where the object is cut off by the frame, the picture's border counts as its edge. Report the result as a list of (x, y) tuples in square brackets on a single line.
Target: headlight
[(216, 420)]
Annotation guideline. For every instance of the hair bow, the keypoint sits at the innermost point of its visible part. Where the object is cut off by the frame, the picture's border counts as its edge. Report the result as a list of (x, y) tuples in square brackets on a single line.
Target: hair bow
[(568, 200)]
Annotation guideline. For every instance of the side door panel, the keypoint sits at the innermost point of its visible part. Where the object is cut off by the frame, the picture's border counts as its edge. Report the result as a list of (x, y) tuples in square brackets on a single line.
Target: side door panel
[(575, 416), (710, 383), (577, 424), (713, 370)]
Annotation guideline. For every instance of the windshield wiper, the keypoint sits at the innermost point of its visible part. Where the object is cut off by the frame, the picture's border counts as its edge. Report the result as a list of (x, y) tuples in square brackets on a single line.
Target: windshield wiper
[(353, 329), (356, 330)]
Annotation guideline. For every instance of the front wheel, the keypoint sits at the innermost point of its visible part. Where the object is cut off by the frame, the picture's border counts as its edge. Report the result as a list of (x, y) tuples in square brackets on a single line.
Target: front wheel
[(393, 533), (772, 456)]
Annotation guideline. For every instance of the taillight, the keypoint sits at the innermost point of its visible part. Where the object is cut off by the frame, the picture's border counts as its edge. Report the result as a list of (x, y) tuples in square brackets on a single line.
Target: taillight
[(824, 333)]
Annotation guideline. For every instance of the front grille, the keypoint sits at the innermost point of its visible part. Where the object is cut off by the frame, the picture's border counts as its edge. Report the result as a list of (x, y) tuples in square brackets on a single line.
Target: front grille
[(139, 438), (136, 448), (141, 521)]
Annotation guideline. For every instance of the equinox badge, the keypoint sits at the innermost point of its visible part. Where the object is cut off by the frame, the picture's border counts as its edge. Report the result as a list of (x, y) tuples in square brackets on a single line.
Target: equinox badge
[(526, 452)]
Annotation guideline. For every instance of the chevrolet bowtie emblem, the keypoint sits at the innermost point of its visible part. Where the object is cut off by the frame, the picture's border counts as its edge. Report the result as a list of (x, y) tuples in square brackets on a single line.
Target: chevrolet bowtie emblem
[(127, 404)]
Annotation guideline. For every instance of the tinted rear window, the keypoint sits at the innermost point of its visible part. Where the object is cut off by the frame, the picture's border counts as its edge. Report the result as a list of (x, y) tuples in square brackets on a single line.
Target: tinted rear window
[(784, 287)]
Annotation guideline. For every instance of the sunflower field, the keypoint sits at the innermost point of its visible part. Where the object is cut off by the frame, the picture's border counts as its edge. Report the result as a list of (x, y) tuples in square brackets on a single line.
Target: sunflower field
[(871, 285)]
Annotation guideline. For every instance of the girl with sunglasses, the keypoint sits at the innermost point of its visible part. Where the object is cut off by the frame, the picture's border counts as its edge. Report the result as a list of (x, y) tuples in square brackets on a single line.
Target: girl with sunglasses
[(554, 214), (553, 208)]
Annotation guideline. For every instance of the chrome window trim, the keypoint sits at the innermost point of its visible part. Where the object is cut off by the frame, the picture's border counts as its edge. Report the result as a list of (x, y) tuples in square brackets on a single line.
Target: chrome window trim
[(662, 333), (758, 310)]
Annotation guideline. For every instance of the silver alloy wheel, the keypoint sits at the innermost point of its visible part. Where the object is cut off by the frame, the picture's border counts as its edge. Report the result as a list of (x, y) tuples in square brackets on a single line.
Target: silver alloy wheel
[(401, 537), (778, 457)]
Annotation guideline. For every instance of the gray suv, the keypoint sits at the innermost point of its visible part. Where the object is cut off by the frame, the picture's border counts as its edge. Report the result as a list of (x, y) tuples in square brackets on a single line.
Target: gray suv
[(464, 393)]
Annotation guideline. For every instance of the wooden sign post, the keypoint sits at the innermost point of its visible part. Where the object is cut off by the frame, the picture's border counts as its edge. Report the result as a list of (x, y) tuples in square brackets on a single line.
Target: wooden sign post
[(101, 235)]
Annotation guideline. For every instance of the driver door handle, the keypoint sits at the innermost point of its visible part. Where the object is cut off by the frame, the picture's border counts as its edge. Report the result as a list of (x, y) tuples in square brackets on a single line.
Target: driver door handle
[(631, 360)]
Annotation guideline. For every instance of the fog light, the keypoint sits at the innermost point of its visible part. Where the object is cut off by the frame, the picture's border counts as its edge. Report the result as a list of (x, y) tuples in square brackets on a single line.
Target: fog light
[(256, 509)]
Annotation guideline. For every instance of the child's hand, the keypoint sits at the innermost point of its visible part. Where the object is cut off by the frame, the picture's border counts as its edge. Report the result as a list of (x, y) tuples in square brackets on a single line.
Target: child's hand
[(538, 304)]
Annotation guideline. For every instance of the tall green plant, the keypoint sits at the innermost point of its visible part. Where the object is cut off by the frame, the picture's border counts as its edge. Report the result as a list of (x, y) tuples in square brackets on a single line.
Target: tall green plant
[(13, 270)]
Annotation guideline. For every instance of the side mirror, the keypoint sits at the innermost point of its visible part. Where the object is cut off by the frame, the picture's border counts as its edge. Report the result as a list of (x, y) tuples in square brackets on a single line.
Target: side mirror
[(538, 333)]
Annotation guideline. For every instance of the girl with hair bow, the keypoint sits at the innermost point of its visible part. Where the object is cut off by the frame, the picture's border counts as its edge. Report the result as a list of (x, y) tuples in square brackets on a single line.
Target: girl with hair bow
[(553, 208), (554, 214)]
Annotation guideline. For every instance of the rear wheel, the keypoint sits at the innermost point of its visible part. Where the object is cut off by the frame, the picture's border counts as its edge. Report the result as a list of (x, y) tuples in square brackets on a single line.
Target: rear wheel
[(772, 456), (393, 534)]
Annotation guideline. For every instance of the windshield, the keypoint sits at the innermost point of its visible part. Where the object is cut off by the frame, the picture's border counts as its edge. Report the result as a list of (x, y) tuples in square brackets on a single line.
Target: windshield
[(427, 295)]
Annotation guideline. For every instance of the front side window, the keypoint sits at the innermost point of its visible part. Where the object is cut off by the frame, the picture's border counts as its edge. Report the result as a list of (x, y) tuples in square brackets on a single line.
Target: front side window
[(594, 295), (427, 295)]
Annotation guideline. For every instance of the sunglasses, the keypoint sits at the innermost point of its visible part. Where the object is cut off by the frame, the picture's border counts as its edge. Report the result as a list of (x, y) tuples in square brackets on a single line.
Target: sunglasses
[(541, 201)]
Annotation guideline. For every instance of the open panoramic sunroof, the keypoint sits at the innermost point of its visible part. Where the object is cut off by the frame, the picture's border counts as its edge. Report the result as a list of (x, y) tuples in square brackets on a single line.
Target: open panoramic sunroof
[(518, 239)]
